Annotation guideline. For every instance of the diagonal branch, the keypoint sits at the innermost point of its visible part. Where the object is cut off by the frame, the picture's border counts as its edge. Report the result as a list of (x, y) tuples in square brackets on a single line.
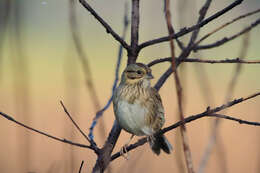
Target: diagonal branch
[(119, 58), (208, 113), (203, 11), (210, 61), (226, 24), (92, 143), (227, 39), (63, 140), (185, 30), (105, 25), (184, 135)]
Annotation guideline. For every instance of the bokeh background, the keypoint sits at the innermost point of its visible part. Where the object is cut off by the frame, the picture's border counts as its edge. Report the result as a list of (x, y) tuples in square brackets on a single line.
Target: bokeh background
[(39, 66)]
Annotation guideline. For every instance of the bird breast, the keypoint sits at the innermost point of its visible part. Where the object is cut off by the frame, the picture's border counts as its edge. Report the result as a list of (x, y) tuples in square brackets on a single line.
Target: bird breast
[(132, 117)]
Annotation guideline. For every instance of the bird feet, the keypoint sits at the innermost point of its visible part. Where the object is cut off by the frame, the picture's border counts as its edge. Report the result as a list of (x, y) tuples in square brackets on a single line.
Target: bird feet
[(124, 152), (151, 138)]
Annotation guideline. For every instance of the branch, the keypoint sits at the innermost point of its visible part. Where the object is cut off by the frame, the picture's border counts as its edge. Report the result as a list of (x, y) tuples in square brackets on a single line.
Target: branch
[(185, 30), (119, 58), (81, 165), (105, 25), (132, 55), (214, 132), (226, 24), (208, 113), (85, 64), (227, 39), (210, 61), (92, 143), (187, 152), (105, 153), (203, 11), (63, 140)]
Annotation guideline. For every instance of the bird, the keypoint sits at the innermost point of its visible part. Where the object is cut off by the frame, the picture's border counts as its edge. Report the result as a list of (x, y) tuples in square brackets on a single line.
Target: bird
[(138, 107)]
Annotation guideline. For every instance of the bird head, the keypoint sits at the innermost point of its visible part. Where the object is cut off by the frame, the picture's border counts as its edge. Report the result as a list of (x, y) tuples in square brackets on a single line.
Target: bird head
[(136, 73)]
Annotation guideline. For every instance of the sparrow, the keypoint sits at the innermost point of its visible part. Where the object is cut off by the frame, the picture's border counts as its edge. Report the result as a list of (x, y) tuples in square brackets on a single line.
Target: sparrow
[(138, 107)]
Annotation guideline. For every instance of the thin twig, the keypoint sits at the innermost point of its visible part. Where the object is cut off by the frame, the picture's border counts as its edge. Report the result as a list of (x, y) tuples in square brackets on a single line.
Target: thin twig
[(103, 159), (226, 24), (81, 165), (85, 65), (185, 30), (210, 61), (92, 143), (120, 55), (203, 11), (208, 113), (105, 24), (214, 133), (227, 39), (10, 118), (187, 152)]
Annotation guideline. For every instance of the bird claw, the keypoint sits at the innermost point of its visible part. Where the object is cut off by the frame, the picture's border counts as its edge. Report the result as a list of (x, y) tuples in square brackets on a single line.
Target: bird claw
[(151, 138), (124, 152)]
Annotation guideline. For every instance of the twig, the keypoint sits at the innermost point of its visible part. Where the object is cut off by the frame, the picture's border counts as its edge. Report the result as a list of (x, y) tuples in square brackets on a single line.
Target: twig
[(226, 24), (8, 117), (120, 54), (185, 31), (210, 61), (185, 142), (227, 39), (81, 165), (133, 53), (208, 113), (214, 133), (85, 65), (92, 143), (105, 154), (105, 25), (203, 11)]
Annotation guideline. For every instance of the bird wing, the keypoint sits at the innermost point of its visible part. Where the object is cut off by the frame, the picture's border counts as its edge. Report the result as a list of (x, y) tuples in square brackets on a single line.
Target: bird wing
[(156, 119)]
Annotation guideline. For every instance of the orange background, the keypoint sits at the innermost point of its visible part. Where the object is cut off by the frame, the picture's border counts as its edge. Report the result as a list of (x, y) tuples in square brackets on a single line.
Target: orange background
[(40, 67)]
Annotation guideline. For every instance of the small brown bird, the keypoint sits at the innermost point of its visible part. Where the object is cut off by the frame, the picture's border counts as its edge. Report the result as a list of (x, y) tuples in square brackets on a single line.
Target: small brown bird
[(138, 106)]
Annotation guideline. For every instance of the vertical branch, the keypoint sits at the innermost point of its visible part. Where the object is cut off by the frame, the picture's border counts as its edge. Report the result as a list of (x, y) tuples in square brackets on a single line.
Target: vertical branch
[(133, 53), (85, 65), (119, 58), (213, 138), (187, 151), (104, 156)]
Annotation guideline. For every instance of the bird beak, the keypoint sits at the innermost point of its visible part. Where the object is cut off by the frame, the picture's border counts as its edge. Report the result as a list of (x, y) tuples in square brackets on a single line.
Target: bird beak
[(150, 76)]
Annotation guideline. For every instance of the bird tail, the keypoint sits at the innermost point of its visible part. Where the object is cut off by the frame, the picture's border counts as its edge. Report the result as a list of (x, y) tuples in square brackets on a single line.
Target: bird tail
[(160, 142)]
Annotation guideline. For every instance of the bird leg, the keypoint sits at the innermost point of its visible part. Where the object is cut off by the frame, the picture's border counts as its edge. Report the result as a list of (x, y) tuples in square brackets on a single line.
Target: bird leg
[(151, 138), (123, 150)]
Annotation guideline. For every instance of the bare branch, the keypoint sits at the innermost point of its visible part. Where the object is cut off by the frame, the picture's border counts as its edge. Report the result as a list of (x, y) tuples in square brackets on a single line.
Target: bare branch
[(81, 165), (105, 25), (226, 24), (132, 55), (92, 143), (214, 133), (227, 39), (210, 61), (203, 11), (185, 31), (85, 64), (8, 117), (119, 58), (208, 113), (184, 135)]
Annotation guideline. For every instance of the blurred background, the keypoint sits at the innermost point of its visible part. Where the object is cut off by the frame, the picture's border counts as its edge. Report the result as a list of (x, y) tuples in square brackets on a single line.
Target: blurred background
[(40, 65)]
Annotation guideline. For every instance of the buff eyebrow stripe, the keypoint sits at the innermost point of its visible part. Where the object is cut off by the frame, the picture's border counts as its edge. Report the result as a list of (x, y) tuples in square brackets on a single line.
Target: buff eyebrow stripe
[(130, 71)]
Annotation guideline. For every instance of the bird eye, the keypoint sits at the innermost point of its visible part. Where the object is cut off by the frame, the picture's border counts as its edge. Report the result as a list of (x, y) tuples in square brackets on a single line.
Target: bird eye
[(139, 72)]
